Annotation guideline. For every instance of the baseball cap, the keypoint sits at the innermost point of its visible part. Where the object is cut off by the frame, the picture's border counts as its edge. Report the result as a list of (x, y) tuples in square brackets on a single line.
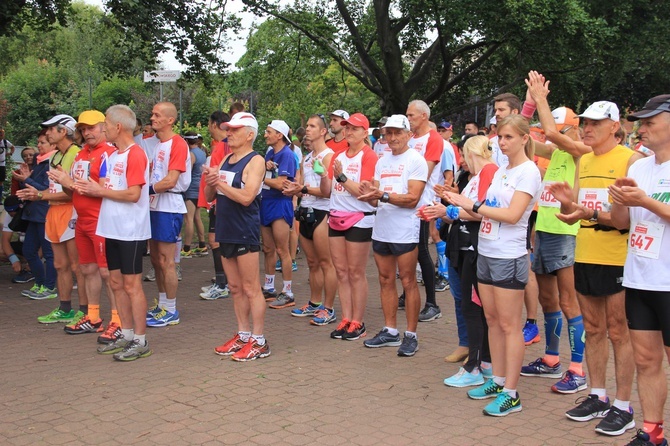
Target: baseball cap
[(397, 122), (565, 117), (282, 127), (90, 117), (445, 125), (341, 113), (357, 120), (601, 110), (64, 120), (654, 106), (382, 120), (12, 203), (241, 119), (190, 137)]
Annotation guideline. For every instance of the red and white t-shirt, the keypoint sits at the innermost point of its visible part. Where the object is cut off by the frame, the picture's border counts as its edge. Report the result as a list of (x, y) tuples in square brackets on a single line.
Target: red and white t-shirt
[(172, 154), (86, 166), (395, 224), (430, 146), (337, 146), (357, 168), (122, 220)]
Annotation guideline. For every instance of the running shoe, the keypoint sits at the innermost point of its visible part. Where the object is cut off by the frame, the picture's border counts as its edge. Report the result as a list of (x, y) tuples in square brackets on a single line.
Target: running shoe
[(178, 268), (270, 294), (464, 379), (84, 325), (23, 277), (588, 408), (209, 287), (383, 339), (283, 301), (340, 330), (409, 346), (323, 317), (441, 283), (642, 439), (151, 275), (616, 422), (252, 350), (401, 301), (44, 293), (186, 254), (278, 265), (306, 310), (111, 334), (201, 252), (215, 292), (114, 347), (430, 313), (233, 345), (503, 405), (541, 368), (59, 315), (487, 390), (34, 290), (355, 330), (294, 266), (164, 318), (571, 383), (531, 334), (153, 311), (133, 350)]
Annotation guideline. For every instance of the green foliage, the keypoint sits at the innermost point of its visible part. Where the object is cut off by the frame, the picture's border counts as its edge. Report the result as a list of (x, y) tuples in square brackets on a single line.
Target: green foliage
[(113, 91)]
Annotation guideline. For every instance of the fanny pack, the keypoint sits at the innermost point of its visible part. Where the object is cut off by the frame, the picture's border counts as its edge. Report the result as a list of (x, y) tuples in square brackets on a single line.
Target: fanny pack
[(343, 220)]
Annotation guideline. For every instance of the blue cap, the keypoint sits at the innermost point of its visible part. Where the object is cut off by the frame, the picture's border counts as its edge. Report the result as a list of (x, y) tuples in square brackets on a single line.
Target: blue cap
[(445, 125)]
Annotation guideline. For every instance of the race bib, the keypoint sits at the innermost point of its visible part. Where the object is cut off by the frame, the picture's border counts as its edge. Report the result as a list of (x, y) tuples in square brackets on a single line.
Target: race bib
[(227, 177), (547, 199), (392, 185), (268, 175), (489, 229), (153, 201), (81, 169), (596, 199), (338, 188), (54, 187), (645, 239)]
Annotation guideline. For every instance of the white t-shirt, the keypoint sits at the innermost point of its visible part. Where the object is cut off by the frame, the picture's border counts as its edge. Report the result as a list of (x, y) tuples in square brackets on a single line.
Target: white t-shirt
[(448, 158), (6, 220), (4, 148), (496, 154), (340, 198), (395, 224), (381, 149), (314, 180), (430, 146), (646, 267), (149, 145), (121, 220), (503, 240), (172, 154)]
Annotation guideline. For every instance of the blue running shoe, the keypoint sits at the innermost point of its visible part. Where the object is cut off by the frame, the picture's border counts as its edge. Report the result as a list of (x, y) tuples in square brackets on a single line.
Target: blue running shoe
[(488, 390), (306, 310), (153, 311), (294, 266), (541, 368), (503, 405), (464, 379), (278, 265), (323, 317), (531, 334), (571, 383), (164, 318)]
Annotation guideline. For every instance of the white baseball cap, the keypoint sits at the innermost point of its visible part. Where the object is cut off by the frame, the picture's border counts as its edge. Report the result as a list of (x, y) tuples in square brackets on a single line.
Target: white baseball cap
[(602, 110), (282, 127), (341, 113), (397, 122), (241, 119), (64, 120)]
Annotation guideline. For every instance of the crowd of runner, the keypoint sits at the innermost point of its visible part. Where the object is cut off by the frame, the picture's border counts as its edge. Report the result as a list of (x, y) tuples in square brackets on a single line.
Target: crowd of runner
[(557, 211)]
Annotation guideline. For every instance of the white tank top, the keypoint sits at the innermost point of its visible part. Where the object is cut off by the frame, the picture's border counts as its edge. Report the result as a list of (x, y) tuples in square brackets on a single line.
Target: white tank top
[(341, 199), (313, 179)]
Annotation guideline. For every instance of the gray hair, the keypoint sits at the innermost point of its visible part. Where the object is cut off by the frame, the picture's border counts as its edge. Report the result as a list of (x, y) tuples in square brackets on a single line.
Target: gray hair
[(254, 131), (69, 133), (122, 114), (421, 106)]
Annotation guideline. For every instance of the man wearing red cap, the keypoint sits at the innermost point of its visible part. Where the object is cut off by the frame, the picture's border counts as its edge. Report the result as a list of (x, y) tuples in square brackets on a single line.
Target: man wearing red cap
[(640, 202)]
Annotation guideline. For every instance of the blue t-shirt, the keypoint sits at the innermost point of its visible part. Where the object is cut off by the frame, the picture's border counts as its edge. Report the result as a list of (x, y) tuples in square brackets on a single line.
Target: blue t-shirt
[(285, 160)]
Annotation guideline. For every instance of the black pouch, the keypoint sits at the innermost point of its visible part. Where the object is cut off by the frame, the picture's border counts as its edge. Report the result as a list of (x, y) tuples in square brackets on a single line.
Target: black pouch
[(306, 215)]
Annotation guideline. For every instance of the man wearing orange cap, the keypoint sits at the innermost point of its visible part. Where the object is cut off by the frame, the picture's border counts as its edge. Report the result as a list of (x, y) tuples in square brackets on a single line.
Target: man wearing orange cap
[(554, 249), (91, 247)]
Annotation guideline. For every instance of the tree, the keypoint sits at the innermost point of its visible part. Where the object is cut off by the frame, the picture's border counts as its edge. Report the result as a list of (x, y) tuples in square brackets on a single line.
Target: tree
[(406, 49), (14, 14)]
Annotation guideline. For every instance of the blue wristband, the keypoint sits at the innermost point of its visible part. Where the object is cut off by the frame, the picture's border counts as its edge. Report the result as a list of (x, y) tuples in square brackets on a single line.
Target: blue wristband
[(13, 258), (452, 212), (151, 190)]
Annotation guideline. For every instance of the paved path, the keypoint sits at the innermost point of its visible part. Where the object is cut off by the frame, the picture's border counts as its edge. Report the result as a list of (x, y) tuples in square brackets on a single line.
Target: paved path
[(312, 390)]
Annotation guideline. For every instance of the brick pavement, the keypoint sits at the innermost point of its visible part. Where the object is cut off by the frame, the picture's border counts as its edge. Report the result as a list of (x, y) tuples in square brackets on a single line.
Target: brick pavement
[(57, 390)]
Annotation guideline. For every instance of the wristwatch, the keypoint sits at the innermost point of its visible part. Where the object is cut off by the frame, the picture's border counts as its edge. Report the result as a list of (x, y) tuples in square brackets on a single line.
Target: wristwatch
[(39, 195), (341, 178), (594, 217), (476, 206), (385, 197), (303, 190)]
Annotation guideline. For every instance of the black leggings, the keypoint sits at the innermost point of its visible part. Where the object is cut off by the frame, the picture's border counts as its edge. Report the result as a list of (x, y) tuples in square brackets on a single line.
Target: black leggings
[(426, 262), (475, 321)]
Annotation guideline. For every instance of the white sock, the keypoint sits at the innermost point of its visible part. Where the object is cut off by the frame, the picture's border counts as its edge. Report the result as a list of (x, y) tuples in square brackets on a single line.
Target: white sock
[(128, 333), (602, 393), (410, 334), (287, 288), (500, 380), (510, 392), (485, 365), (259, 338), (141, 338), (392, 331), (171, 305), (162, 300), (621, 405), (244, 335), (269, 282)]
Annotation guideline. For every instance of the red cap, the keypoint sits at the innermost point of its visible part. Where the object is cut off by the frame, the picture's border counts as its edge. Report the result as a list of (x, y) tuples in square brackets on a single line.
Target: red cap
[(358, 120)]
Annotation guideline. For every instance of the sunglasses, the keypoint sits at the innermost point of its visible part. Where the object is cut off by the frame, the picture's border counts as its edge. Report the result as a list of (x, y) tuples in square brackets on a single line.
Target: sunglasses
[(323, 118), (566, 129)]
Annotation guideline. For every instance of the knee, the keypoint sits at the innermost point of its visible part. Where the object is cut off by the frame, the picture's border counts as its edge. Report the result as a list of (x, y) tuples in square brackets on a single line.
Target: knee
[(619, 333), (407, 282), (250, 289), (234, 288)]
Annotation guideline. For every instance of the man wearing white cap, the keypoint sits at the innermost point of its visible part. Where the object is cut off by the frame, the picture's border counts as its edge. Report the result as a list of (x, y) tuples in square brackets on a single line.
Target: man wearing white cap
[(6, 147), (599, 258), (338, 143), (277, 212), (236, 185), (60, 221), (399, 180)]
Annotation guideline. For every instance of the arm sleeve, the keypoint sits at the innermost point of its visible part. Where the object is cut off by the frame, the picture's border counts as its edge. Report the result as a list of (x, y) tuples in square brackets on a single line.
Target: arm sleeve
[(178, 155), (419, 170), (368, 164), (434, 147), (137, 165), (485, 179)]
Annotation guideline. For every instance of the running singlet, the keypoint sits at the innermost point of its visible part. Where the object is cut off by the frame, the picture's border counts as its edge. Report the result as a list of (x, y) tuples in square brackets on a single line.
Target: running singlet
[(242, 223), (357, 168), (595, 246), (122, 220), (64, 160), (646, 267), (314, 180), (561, 168)]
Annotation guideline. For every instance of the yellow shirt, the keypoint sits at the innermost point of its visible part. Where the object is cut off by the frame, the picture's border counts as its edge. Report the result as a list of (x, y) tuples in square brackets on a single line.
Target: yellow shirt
[(596, 173)]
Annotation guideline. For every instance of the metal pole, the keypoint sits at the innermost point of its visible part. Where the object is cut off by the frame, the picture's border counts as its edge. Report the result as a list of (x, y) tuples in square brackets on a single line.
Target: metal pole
[(161, 93), (181, 120), (90, 93)]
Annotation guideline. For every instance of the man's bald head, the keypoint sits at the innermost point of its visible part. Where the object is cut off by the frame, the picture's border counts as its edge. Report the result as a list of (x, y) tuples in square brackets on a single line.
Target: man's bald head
[(163, 116)]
